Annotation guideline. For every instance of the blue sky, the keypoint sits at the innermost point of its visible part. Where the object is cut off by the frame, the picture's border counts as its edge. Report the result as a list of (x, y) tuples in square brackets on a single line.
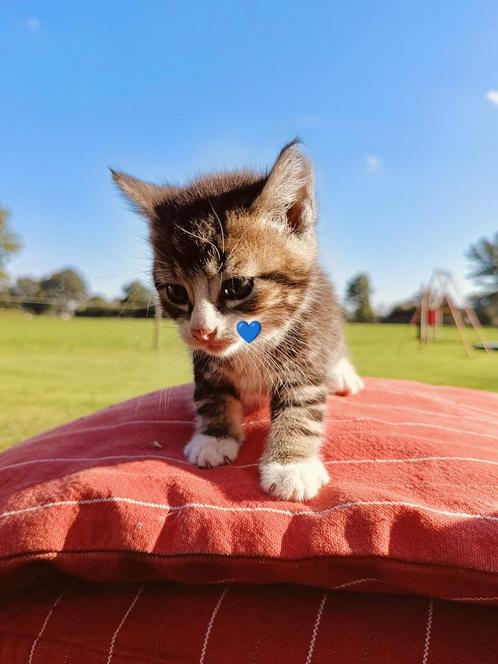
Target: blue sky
[(397, 104)]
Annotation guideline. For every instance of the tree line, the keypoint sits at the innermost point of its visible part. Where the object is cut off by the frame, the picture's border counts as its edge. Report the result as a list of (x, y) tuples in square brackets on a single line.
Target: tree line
[(66, 292)]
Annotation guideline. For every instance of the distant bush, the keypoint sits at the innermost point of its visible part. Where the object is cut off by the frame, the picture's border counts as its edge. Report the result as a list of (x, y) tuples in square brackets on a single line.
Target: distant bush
[(97, 312), (400, 313), (98, 307)]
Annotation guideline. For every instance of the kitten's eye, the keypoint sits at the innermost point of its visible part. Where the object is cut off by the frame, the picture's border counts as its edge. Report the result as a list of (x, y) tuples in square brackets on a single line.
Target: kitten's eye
[(177, 294), (237, 288)]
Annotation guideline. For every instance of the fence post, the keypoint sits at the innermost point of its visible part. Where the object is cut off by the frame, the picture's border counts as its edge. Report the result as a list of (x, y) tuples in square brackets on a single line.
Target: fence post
[(158, 314)]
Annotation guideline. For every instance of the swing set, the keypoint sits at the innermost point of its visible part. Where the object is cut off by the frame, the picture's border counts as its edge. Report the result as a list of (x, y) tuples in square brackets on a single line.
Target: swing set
[(438, 301)]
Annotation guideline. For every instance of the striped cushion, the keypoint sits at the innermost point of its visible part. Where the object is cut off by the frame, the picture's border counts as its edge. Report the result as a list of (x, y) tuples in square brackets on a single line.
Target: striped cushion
[(412, 506), (74, 623)]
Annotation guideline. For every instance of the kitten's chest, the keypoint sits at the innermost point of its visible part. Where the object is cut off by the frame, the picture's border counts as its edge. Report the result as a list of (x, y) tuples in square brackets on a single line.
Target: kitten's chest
[(252, 380)]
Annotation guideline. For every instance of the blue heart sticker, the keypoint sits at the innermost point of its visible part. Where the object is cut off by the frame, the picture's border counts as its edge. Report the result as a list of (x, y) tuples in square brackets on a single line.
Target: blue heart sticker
[(248, 331)]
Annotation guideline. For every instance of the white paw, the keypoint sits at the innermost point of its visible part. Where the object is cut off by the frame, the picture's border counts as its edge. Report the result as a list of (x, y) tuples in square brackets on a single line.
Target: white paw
[(344, 379), (208, 451), (301, 480)]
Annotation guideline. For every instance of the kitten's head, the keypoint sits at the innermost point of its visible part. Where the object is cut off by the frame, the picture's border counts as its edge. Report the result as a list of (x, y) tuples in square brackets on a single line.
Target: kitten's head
[(231, 247)]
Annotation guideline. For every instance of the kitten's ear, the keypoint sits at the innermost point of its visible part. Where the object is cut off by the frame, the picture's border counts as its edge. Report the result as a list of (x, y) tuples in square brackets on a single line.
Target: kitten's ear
[(288, 194), (144, 196)]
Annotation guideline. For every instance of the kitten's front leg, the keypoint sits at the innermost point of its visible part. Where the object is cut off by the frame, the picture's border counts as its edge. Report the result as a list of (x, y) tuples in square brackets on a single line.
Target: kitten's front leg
[(219, 426), (291, 467)]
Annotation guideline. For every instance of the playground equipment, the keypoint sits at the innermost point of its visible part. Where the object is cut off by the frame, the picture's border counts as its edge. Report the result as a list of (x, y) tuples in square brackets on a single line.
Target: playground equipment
[(438, 302)]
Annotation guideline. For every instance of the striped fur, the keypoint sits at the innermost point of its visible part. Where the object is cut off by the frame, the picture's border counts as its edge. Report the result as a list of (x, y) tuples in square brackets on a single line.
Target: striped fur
[(259, 229)]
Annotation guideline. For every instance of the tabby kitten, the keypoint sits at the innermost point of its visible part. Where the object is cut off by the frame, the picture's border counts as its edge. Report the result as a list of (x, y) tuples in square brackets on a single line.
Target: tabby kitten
[(242, 246)]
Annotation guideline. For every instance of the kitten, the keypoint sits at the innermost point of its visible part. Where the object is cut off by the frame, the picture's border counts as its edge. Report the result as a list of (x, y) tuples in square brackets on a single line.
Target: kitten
[(242, 246)]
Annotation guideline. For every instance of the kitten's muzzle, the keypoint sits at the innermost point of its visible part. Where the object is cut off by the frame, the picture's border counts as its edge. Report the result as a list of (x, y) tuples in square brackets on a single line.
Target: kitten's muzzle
[(205, 339)]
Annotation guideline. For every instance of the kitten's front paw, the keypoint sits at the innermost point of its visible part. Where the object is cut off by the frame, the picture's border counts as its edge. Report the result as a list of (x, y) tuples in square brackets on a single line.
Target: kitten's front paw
[(301, 480), (344, 379), (208, 451)]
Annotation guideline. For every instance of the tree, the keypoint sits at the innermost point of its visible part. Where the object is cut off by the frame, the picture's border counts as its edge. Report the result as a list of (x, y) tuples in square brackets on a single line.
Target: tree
[(358, 293), (486, 307), (5, 295), (29, 288), (137, 295), (67, 286), (98, 301), (9, 242), (484, 256), (98, 306)]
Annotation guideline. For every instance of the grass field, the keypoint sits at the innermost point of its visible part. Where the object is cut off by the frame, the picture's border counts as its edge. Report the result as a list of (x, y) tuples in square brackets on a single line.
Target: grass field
[(52, 371)]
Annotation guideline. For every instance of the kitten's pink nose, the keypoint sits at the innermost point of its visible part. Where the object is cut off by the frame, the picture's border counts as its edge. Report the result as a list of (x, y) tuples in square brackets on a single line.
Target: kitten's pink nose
[(202, 334)]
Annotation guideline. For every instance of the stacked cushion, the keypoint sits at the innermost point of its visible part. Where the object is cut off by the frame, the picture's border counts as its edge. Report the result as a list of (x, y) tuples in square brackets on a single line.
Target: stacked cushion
[(412, 506), (81, 623)]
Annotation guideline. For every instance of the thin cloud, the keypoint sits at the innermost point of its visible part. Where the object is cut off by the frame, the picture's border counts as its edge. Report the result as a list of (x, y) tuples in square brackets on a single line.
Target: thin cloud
[(373, 164), (492, 96), (33, 24)]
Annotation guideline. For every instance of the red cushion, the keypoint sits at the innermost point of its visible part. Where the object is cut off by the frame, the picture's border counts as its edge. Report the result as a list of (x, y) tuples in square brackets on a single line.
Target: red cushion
[(87, 624), (412, 505)]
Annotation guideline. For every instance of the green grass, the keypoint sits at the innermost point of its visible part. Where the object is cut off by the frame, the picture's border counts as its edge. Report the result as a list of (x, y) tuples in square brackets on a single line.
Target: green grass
[(52, 371), (376, 351)]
